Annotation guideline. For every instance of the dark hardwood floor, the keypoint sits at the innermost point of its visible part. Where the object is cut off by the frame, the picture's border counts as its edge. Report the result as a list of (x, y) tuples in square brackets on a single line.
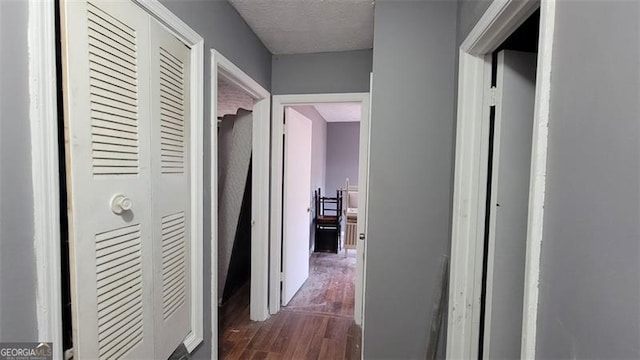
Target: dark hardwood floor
[(317, 323)]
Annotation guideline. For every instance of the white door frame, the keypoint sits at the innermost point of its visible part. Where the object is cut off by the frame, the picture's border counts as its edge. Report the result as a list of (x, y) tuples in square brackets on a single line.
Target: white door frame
[(277, 147), (258, 309), (43, 118), (44, 139), (500, 20)]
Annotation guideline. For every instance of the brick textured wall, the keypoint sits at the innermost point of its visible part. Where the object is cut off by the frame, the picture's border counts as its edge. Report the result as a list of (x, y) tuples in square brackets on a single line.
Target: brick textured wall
[(231, 98)]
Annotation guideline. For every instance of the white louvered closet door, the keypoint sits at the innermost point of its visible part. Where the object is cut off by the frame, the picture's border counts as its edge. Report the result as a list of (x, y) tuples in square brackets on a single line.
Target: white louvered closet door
[(170, 74), (127, 130), (108, 156)]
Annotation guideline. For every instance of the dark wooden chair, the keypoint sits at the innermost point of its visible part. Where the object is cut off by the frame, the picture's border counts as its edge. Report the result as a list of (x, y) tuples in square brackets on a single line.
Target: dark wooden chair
[(328, 217)]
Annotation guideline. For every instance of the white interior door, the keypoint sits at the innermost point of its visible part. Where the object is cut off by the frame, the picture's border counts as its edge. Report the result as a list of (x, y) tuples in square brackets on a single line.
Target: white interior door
[(296, 203), (509, 204), (170, 168), (363, 197), (107, 116)]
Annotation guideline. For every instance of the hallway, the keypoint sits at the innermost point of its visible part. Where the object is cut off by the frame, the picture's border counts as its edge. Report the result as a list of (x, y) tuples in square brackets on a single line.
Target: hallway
[(317, 323)]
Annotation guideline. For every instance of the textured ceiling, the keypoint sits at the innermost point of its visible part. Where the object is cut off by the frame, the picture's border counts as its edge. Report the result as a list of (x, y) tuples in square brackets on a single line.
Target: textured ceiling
[(306, 26), (339, 112)]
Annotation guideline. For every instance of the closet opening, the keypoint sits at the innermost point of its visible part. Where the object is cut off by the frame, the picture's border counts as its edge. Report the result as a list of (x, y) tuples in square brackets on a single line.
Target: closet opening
[(234, 131), (504, 88), (509, 152), (239, 185)]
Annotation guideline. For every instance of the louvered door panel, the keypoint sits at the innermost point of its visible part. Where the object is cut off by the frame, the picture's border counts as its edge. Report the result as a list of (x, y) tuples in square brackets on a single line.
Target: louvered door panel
[(119, 290), (172, 113), (106, 96), (113, 71), (170, 71), (173, 264)]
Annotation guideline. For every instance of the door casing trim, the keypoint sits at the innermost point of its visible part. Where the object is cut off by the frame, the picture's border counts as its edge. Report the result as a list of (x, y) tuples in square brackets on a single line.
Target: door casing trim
[(43, 119), (277, 166), (221, 67), (500, 20)]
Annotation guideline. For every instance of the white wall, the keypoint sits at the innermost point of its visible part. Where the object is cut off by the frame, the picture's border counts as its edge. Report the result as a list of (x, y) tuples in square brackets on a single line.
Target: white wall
[(318, 146), (318, 157)]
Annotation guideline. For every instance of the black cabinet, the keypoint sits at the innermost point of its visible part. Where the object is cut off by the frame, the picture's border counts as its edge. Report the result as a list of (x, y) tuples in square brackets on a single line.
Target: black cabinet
[(327, 239)]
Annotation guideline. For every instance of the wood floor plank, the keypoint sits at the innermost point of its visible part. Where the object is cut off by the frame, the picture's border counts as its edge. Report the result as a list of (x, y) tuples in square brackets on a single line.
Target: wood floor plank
[(274, 356), (337, 328), (354, 339), (330, 350), (292, 336), (309, 347), (315, 344), (268, 333)]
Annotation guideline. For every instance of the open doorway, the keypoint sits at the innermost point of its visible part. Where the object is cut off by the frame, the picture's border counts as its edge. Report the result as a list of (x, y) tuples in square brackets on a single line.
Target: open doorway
[(499, 182), (239, 199), (234, 132), (511, 113), (320, 191), (291, 107)]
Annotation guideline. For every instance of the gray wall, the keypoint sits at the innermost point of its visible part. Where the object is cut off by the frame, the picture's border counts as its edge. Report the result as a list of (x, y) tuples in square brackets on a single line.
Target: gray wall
[(224, 30), (590, 285), (410, 173), (17, 259), (469, 12), (343, 141), (330, 72)]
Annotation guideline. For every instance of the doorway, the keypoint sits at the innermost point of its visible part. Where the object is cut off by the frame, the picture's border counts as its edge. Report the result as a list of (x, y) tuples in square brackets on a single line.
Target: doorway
[(280, 105), (499, 181), (321, 155), (513, 77), (255, 181), (234, 175)]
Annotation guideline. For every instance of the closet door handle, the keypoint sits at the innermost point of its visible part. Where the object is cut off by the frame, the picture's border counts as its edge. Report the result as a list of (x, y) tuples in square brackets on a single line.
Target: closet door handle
[(120, 203)]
